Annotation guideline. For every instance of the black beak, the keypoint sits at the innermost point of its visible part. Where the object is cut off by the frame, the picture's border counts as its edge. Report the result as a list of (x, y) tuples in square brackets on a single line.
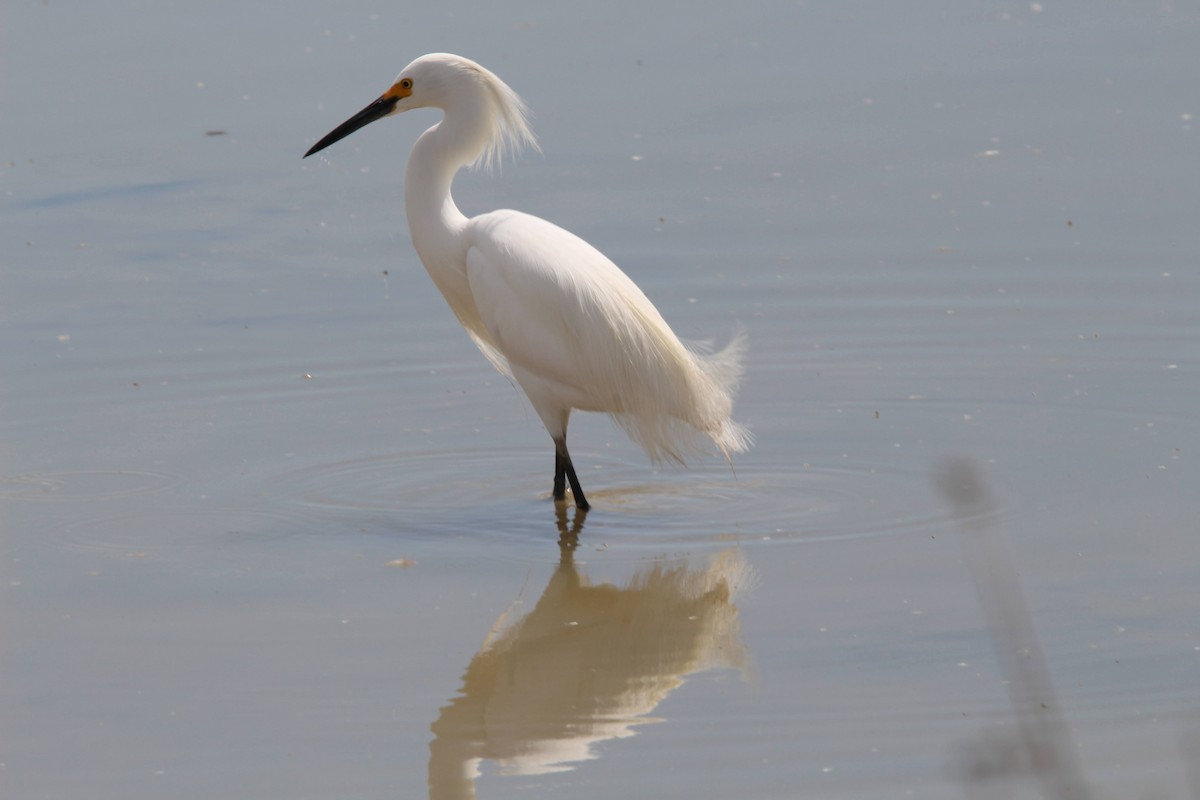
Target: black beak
[(377, 110)]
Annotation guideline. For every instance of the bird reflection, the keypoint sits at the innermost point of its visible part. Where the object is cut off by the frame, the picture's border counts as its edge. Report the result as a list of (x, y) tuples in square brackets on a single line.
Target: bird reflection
[(587, 664)]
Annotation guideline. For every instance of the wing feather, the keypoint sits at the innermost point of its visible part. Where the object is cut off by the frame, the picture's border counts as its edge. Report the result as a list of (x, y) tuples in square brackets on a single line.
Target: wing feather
[(558, 309)]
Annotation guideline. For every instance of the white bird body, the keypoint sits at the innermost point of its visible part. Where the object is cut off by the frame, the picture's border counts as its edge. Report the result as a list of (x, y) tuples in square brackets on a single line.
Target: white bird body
[(544, 306)]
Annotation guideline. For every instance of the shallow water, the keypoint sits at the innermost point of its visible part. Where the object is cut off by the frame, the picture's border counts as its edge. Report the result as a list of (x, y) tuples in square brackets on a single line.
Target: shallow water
[(272, 527)]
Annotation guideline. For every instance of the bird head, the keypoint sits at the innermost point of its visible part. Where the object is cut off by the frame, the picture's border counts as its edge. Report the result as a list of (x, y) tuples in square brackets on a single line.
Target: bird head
[(441, 80), (431, 80)]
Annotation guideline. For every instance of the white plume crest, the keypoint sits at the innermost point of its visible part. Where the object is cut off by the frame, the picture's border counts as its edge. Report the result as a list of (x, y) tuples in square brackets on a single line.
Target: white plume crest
[(509, 131)]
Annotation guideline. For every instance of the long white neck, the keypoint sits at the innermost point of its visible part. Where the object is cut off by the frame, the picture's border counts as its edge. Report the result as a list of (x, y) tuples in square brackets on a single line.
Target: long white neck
[(440, 152)]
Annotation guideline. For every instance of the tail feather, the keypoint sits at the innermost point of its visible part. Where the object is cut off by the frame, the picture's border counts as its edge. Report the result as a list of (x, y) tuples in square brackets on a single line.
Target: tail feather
[(724, 369), (673, 432)]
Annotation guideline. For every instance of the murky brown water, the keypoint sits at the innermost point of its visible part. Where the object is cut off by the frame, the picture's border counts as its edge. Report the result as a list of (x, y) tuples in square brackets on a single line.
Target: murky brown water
[(273, 528)]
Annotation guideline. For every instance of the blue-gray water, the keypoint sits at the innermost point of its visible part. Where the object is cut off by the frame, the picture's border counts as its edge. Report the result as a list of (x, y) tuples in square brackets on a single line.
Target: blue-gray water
[(273, 528)]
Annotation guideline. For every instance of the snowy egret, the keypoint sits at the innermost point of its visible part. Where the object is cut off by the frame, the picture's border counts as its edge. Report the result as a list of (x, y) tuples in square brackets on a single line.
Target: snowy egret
[(546, 308)]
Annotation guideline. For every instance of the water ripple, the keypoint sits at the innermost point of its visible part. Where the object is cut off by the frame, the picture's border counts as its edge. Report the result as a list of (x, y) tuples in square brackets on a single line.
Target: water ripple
[(169, 534), (496, 493), (83, 485)]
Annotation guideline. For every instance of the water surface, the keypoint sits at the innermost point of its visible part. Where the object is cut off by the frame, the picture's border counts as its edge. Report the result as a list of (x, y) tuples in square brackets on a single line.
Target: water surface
[(272, 527)]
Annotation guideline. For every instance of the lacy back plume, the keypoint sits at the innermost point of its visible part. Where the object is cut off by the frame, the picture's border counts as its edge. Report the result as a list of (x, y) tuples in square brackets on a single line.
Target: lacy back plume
[(671, 425)]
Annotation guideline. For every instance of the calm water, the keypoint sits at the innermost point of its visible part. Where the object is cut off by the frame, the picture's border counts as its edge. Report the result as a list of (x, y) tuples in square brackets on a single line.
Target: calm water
[(272, 527)]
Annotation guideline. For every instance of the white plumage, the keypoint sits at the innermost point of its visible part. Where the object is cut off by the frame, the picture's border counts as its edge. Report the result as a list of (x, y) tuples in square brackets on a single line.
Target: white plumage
[(543, 305)]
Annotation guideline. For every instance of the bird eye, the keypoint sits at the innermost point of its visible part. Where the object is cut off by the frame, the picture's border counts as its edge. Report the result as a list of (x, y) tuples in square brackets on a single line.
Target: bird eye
[(406, 83)]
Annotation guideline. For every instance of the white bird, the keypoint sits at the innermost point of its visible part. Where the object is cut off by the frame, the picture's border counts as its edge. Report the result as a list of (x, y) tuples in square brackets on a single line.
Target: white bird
[(546, 308)]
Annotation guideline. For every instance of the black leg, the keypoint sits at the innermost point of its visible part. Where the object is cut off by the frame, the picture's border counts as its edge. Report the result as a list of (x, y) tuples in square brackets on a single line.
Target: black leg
[(580, 501), (564, 468), (560, 477)]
